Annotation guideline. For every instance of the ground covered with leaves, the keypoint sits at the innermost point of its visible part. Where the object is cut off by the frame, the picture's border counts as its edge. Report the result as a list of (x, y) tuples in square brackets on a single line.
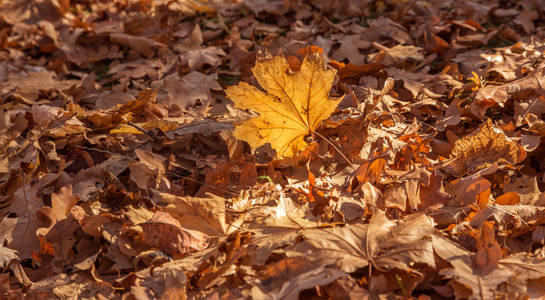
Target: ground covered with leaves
[(283, 149)]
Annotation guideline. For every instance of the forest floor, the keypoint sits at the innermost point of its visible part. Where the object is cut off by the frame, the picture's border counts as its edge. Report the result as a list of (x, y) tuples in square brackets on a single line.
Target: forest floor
[(283, 149)]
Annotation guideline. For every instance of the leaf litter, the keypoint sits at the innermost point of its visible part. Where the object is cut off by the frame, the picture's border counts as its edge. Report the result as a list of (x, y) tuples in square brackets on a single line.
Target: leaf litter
[(272, 149)]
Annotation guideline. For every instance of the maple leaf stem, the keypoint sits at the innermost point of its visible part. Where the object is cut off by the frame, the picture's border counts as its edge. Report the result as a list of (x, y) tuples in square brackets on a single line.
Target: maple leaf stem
[(336, 148)]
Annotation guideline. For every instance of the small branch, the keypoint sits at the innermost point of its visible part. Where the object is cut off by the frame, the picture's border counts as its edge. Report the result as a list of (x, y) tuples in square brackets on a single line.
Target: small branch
[(336, 148), (148, 133)]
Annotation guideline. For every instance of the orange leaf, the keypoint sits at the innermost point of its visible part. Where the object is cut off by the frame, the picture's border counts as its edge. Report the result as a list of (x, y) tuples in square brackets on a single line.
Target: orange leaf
[(315, 195), (433, 195), (336, 64), (309, 50), (488, 250), (45, 246), (351, 70), (248, 173), (294, 62), (371, 171), (217, 180), (469, 190), (509, 198)]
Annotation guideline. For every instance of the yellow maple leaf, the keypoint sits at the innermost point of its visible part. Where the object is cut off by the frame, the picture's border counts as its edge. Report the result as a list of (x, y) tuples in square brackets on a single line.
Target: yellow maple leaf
[(293, 106)]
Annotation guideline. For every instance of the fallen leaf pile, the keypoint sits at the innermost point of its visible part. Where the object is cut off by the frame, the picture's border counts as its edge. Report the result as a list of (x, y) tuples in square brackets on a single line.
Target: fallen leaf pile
[(252, 149)]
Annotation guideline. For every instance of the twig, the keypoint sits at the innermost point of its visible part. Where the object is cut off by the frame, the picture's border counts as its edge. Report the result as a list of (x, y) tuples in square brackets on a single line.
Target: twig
[(335, 147), (149, 133)]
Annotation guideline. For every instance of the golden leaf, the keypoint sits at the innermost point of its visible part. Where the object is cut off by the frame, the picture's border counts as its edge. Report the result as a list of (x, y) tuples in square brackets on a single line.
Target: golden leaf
[(485, 146), (294, 105)]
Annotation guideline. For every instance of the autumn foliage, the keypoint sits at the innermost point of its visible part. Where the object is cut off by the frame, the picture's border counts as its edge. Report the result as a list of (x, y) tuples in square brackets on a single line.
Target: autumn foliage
[(283, 149)]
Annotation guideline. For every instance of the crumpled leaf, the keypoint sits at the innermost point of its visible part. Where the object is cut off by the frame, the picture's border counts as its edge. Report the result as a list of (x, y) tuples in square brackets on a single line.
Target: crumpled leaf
[(30, 84), (346, 288), (294, 106), (149, 171), (6, 290), (479, 150), (349, 49), (76, 285), (433, 195), (175, 285), (196, 59), (142, 45), (516, 219), (391, 29)]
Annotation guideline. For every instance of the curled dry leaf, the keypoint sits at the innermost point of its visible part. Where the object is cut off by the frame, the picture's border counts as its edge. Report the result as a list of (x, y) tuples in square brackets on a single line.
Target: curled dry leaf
[(76, 286), (433, 195), (509, 198), (294, 106), (175, 285), (397, 54), (149, 171), (482, 148), (217, 180)]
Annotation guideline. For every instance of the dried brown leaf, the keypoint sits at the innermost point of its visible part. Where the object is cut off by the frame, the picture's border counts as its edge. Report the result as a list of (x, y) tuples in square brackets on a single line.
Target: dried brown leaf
[(482, 148), (342, 246), (166, 233), (400, 244), (482, 285), (25, 205), (205, 214), (292, 284), (488, 250)]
